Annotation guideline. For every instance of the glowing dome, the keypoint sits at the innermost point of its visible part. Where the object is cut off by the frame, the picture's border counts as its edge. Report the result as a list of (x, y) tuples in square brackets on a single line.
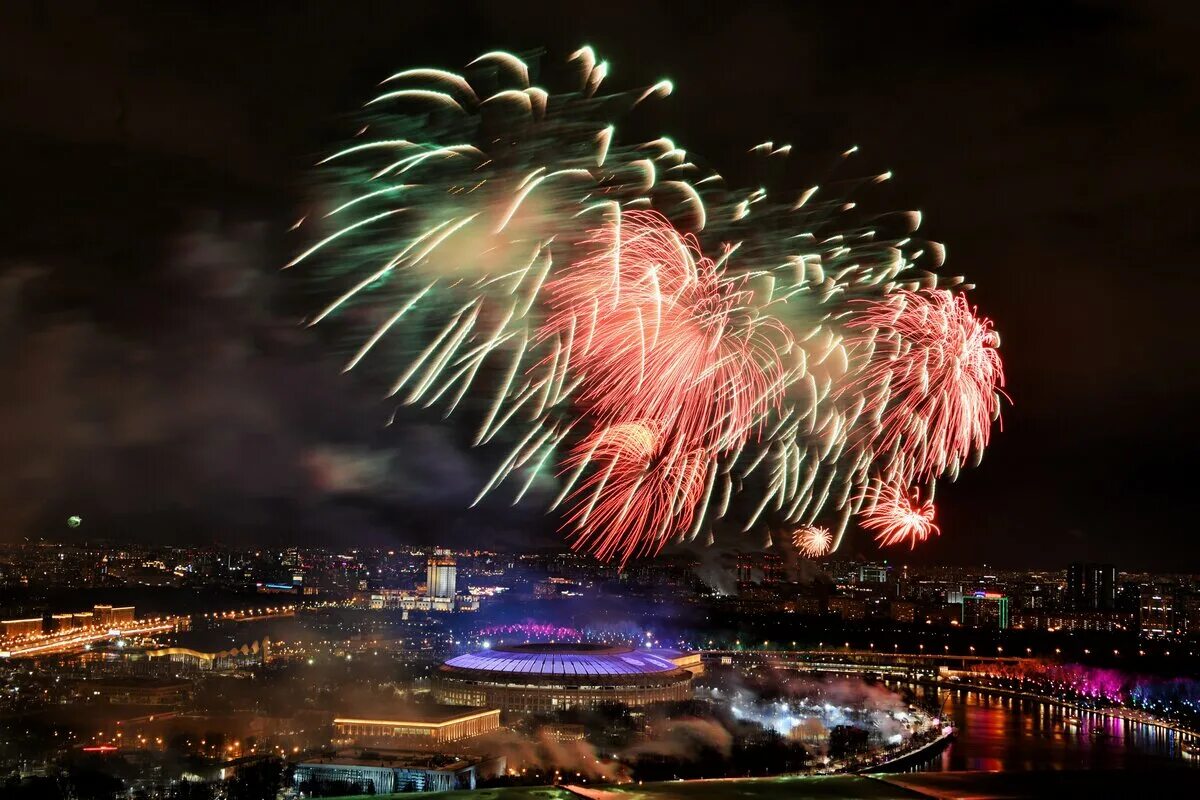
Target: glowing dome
[(546, 676), (564, 659)]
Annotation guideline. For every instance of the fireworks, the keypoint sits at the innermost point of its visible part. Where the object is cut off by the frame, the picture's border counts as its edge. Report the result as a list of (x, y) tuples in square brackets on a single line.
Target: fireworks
[(899, 517), (614, 315), (672, 374), (813, 542), (932, 376)]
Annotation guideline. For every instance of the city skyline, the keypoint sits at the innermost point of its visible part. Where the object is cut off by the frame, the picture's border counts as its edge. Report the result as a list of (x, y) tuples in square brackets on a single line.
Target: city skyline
[(427, 667)]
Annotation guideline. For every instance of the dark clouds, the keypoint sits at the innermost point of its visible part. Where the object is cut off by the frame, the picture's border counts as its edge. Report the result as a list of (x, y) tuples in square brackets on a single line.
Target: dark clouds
[(220, 421), (1049, 144)]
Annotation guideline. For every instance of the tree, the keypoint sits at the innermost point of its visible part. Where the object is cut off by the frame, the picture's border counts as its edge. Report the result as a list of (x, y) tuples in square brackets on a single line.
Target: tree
[(92, 784), (258, 781)]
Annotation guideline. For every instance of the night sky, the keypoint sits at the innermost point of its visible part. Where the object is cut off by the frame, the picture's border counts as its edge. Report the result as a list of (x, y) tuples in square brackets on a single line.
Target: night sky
[(154, 383)]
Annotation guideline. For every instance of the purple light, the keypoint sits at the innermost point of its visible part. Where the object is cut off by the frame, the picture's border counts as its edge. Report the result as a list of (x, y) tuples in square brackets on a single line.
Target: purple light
[(632, 662), (534, 630)]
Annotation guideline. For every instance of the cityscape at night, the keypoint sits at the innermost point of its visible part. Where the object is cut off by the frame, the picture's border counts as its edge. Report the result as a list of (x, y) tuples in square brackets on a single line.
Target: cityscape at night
[(622, 402), (327, 672)]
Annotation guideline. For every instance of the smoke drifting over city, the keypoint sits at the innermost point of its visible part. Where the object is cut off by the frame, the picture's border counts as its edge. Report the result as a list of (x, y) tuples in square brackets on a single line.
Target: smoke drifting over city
[(228, 424)]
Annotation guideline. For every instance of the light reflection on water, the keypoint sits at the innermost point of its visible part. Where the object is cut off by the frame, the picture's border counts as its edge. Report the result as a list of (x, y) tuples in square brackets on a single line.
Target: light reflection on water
[(1003, 733)]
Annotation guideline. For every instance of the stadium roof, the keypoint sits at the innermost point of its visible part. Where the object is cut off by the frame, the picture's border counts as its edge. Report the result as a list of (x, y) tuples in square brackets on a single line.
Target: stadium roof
[(565, 659)]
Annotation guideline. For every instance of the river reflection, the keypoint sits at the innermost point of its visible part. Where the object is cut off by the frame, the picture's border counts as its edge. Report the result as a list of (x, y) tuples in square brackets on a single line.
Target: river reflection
[(1002, 733)]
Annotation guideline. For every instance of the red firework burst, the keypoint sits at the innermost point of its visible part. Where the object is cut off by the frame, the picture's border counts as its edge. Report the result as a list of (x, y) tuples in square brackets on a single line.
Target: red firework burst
[(673, 372), (813, 541), (643, 490), (658, 335), (933, 379), (898, 517)]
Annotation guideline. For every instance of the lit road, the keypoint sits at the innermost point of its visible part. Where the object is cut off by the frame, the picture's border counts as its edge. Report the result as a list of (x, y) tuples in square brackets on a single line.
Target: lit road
[(73, 641), (76, 640)]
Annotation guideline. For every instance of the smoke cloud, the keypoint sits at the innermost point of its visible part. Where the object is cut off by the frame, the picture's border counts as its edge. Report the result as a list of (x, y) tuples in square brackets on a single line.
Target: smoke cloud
[(188, 406)]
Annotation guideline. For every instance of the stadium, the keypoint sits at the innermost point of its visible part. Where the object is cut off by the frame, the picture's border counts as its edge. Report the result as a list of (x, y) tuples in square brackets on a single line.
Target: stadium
[(546, 677)]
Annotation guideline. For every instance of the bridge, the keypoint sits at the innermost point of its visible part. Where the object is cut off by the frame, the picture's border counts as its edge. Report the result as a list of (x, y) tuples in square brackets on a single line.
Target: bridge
[(906, 665)]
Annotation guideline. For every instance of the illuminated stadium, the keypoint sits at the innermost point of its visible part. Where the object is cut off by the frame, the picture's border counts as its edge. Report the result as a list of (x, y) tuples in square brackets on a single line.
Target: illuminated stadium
[(529, 678)]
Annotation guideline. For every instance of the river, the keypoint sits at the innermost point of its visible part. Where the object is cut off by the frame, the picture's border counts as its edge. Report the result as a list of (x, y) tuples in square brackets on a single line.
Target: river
[(1003, 733)]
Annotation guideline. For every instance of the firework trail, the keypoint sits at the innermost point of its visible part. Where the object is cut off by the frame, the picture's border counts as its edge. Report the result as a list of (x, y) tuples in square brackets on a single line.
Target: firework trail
[(676, 351)]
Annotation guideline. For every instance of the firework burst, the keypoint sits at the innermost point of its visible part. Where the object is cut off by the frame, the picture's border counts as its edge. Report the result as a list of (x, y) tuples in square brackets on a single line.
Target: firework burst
[(932, 376), (900, 517), (616, 316), (813, 542)]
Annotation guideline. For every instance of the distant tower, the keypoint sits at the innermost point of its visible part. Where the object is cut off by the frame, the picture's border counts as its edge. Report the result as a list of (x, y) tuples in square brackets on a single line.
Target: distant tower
[(440, 575), (1091, 586)]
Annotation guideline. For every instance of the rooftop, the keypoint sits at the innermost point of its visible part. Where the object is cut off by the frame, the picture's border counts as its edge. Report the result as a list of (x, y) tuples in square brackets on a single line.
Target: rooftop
[(423, 713), (565, 659)]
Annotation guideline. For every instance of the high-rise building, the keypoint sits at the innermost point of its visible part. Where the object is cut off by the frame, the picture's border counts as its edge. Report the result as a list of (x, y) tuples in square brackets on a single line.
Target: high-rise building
[(440, 576), (1092, 586), (17, 628), (1156, 613), (985, 610), (111, 615), (873, 573)]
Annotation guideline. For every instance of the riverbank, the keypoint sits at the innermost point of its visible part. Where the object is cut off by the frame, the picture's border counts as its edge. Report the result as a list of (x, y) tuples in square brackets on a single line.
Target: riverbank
[(913, 758), (1127, 714)]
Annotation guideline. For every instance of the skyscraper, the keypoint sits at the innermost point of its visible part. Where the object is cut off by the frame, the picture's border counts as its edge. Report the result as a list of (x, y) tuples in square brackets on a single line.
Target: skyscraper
[(1091, 586), (985, 610), (1156, 612), (440, 576)]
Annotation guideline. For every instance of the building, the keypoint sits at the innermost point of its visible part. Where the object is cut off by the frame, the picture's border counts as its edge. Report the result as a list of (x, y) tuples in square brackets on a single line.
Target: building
[(440, 578), (942, 614), (136, 691), (60, 623), (19, 628), (873, 573), (566, 732), (1189, 614), (1036, 619), (545, 677), (387, 773), (1091, 586), (418, 725), (985, 610), (407, 600), (848, 608), (110, 616), (209, 650), (554, 588), (902, 611), (1156, 613), (807, 605)]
